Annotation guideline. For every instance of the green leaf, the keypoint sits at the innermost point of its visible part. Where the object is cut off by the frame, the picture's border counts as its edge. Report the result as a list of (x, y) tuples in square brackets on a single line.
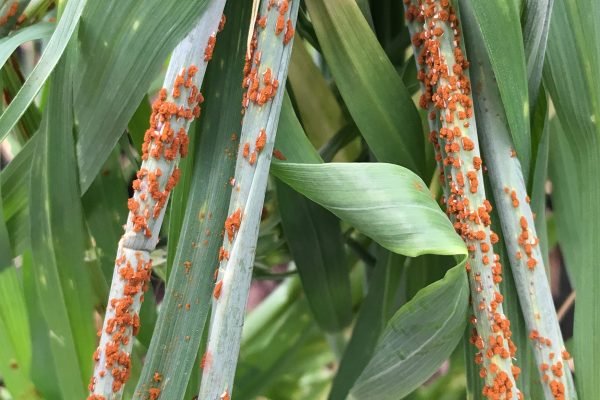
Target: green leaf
[(501, 30), (53, 52), (570, 75), (15, 348), (61, 281), (372, 318), (384, 201), (418, 338), (315, 240), (535, 35), (106, 212), (123, 46), (15, 193), (9, 44), (374, 93), (178, 332), (284, 324)]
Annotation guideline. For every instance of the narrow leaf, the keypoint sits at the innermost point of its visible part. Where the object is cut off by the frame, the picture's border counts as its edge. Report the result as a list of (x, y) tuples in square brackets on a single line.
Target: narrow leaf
[(381, 107), (53, 52)]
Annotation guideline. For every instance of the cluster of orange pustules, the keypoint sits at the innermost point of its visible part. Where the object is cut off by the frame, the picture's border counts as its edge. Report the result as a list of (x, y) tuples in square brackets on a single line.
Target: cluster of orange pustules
[(554, 365), (161, 141), (124, 323), (257, 93), (447, 94)]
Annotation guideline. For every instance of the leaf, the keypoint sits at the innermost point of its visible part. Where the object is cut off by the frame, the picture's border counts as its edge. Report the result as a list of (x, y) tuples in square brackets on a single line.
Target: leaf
[(507, 182), (15, 348), (315, 240), (53, 52), (381, 107), (317, 106), (385, 202), (251, 174), (572, 59), (420, 336), (501, 31), (12, 42), (285, 325), (371, 321), (178, 332), (105, 212), (61, 282), (111, 82), (535, 35), (15, 193)]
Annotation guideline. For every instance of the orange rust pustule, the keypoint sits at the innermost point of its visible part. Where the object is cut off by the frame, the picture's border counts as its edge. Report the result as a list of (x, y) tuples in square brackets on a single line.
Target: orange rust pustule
[(153, 393), (217, 289), (232, 224), (447, 97)]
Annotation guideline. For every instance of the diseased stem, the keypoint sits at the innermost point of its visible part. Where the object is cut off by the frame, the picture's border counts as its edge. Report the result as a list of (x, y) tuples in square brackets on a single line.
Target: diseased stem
[(447, 97), (164, 142), (265, 73), (518, 226)]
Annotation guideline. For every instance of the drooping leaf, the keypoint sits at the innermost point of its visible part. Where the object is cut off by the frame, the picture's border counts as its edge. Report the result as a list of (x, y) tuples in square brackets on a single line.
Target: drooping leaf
[(384, 201), (9, 44), (418, 338)]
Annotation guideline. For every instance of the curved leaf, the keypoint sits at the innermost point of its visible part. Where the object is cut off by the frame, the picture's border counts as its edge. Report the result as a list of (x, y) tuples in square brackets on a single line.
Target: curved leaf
[(386, 202), (53, 52), (34, 32), (421, 335)]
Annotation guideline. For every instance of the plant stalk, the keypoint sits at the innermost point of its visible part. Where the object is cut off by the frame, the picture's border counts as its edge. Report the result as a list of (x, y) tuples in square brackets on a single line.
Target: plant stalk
[(443, 72), (265, 74), (164, 143)]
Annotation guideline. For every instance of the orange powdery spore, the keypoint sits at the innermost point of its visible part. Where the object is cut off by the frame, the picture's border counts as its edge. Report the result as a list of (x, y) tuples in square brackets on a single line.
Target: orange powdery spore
[(246, 150), (217, 289), (11, 12), (153, 393), (210, 47), (225, 396), (232, 224), (157, 377), (446, 96), (96, 397), (206, 360), (279, 25), (222, 23), (289, 32), (261, 141), (223, 254), (279, 155)]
